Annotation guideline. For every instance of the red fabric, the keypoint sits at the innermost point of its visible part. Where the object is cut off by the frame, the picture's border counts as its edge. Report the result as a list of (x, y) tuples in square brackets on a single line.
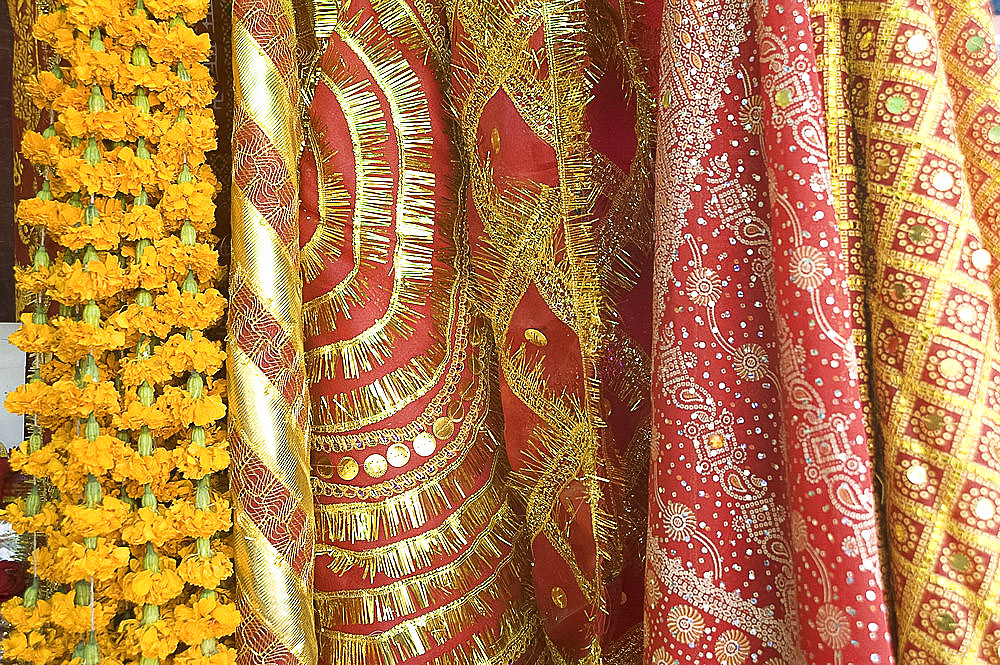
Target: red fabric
[(763, 527)]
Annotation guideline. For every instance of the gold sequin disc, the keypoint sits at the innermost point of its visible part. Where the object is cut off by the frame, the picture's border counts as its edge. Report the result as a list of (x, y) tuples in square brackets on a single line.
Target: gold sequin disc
[(398, 455), (559, 597), (324, 468), (981, 259), (536, 337), (424, 444), (951, 369), (917, 474), (347, 468), (443, 428), (967, 314), (917, 44), (376, 466), (984, 508), (942, 180)]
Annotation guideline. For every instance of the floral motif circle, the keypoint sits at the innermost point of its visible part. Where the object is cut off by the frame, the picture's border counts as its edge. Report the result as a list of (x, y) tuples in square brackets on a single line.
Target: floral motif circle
[(808, 267), (833, 626), (732, 648), (749, 362), (704, 286), (679, 521), (685, 623)]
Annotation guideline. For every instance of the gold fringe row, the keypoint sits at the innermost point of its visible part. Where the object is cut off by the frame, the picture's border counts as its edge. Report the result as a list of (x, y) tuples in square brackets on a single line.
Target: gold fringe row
[(493, 546), (366, 521)]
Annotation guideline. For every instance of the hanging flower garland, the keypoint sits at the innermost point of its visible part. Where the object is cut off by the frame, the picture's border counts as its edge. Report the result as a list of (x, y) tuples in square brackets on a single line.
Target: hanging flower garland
[(123, 408)]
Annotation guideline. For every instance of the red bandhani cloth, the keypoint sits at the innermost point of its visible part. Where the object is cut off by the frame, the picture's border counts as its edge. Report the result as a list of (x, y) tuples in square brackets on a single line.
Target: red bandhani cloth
[(824, 329)]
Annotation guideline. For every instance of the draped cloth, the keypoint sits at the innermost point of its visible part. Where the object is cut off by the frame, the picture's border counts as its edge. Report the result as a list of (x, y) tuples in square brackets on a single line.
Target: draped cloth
[(825, 343), (439, 325), (498, 264)]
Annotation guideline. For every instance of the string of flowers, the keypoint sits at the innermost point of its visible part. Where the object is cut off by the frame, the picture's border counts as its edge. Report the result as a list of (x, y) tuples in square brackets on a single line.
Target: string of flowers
[(127, 411)]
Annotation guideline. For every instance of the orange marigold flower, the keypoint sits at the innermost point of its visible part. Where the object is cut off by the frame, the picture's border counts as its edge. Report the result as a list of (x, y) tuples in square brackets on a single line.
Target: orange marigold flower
[(206, 573), (205, 618), (159, 588), (39, 150), (24, 619)]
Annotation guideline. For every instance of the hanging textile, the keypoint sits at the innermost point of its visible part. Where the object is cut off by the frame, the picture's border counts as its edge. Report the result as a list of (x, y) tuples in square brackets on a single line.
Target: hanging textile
[(825, 330)]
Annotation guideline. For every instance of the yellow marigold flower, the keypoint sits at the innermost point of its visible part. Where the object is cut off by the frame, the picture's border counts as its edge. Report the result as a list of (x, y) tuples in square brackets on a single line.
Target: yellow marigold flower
[(36, 464), (45, 88), (202, 523), (89, 14), (136, 370), (32, 337), (104, 235), (98, 456), (156, 640), (73, 619), (101, 520), (206, 573), (142, 222), (26, 398), (147, 526), (140, 471), (76, 339), (179, 43), (45, 520), (193, 656), (39, 150), (103, 562), (32, 280), (24, 619), (145, 586), (101, 279), (196, 461), (205, 618), (32, 647), (180, 258), (188, 201), (198, 353), (187, 310)]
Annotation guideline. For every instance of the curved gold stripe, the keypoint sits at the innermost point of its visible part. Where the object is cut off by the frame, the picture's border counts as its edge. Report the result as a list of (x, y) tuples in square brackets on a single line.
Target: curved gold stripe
[(273, 598), (266, 262), (264, 415), (264, 95)]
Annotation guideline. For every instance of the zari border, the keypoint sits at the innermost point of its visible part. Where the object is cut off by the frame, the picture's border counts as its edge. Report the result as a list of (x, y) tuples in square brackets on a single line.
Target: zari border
[(501, 645), (495, 546), (366, 521)]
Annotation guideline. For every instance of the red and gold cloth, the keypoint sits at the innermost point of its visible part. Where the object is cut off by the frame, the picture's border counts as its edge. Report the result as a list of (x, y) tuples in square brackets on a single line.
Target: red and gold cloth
[(825, 344)]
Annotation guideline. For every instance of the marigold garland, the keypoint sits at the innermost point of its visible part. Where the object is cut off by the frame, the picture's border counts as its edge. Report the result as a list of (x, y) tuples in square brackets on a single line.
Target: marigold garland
[(124, 410)]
